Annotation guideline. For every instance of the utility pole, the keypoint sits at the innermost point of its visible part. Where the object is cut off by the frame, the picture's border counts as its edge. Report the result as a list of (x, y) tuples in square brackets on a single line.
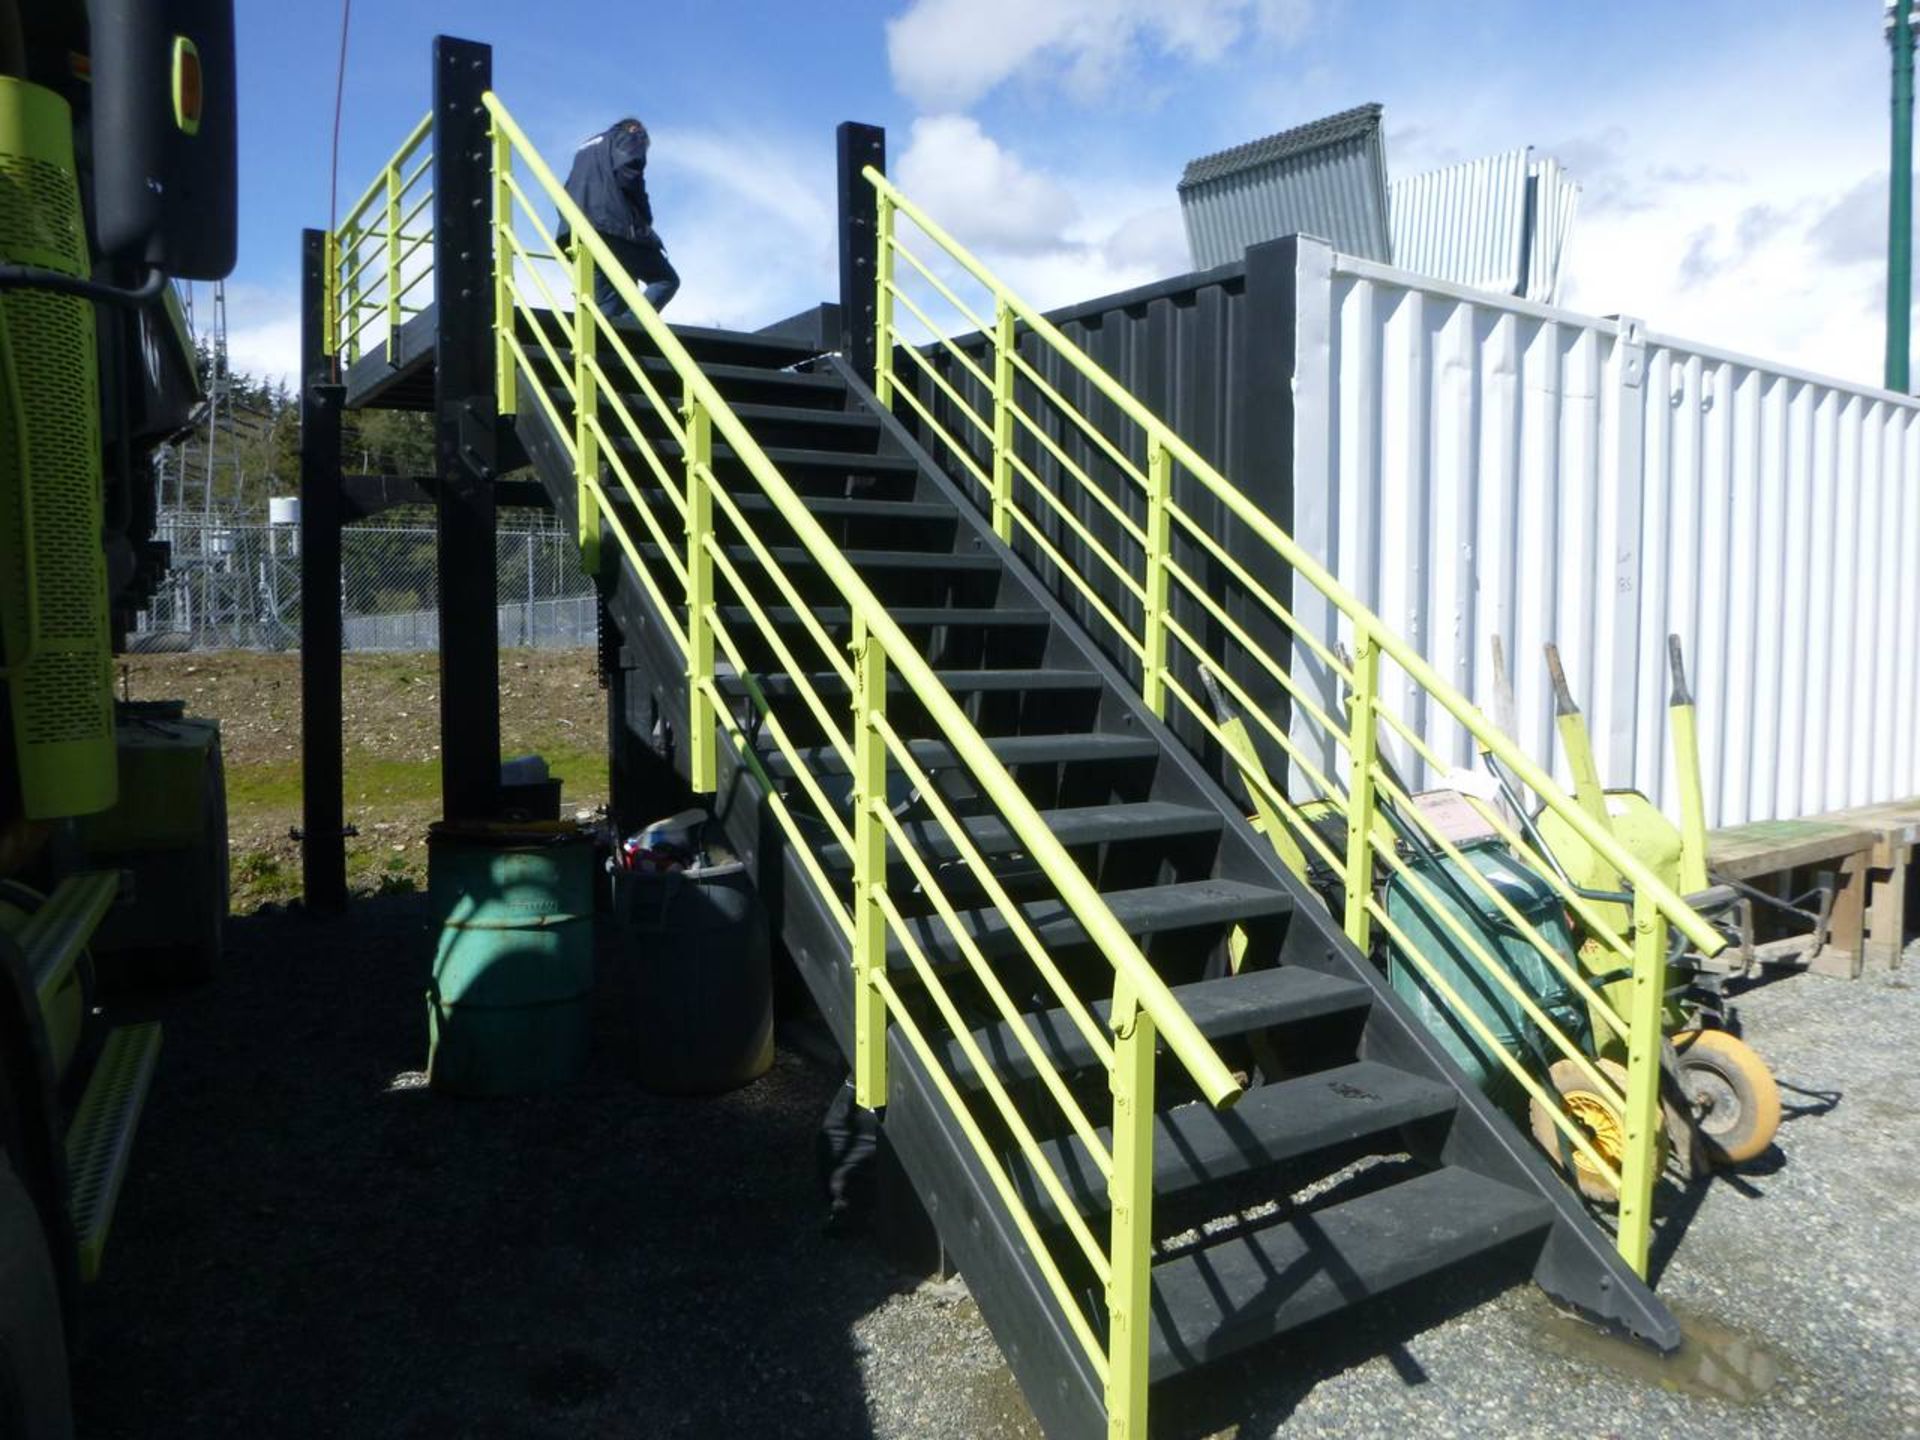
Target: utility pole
[(1900, 196)]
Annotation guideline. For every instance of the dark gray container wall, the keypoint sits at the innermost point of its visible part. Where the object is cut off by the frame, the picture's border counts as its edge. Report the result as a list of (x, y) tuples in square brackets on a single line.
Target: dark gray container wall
[(1211, 353)]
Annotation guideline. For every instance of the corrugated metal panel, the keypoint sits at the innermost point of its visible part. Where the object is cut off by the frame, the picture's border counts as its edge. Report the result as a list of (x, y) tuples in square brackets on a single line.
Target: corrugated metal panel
[(1496, 467), (1554, 200), (1326, 179), (1466, 223)]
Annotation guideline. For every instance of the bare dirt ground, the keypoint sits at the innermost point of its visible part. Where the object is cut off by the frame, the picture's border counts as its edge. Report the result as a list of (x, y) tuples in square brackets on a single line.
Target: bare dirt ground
[(550, 704), (313, 1244)]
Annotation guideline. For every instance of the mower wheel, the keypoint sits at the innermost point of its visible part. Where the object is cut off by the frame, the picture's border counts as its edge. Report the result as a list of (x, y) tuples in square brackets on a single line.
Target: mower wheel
[(1732, 1092)]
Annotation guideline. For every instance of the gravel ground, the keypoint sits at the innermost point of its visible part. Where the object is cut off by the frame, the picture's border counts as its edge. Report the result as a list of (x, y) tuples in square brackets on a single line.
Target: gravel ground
[(313, 1245)]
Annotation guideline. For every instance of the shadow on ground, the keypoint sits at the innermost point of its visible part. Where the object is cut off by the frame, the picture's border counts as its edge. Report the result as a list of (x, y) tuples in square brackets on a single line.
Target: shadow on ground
[(311, 1243)]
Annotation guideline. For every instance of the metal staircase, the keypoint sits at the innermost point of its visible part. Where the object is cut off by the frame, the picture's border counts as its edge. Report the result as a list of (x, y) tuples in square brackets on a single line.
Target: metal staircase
[(1356, 1162), (1155, 1095)]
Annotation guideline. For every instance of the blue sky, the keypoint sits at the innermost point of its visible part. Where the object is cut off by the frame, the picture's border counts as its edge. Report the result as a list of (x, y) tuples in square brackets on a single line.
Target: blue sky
[(1732, 156)]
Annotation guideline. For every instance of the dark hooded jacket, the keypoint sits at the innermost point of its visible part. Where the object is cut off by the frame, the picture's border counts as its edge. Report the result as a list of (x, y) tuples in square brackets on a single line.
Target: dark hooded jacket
[(609, 183)]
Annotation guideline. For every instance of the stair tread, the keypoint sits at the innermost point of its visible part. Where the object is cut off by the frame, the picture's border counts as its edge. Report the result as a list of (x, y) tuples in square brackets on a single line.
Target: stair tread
[(794, 457), (100, 1140), (1242, 1289), (959, 682), (1010, 750), (820, 505), (1195, 1144), (1152, 909), (797, 415), (1073, 826), (903, 615), (795, 555), (1227, 1006)]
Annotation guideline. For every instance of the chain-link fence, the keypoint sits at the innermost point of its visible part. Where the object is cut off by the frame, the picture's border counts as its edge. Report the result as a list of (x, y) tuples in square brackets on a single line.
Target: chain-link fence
[(237, 586)]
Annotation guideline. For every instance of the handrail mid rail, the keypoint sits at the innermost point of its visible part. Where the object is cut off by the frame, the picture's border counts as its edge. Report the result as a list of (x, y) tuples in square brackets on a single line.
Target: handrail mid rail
[(371, 249)]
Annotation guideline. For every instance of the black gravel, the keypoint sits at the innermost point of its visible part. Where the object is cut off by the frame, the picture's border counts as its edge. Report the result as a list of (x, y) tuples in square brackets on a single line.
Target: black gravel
[(313, 1244)]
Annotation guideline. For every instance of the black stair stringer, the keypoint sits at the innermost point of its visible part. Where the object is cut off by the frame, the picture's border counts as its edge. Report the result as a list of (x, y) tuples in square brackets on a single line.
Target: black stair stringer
[(977, 1229), (1578, 1263)]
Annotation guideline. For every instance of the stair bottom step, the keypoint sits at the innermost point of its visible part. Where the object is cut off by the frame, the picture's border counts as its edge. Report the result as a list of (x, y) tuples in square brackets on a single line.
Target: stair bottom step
[(1246, 1288)]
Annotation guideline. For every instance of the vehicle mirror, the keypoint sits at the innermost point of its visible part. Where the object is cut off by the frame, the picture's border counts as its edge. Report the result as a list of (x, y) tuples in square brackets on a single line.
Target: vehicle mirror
[(165, 162)]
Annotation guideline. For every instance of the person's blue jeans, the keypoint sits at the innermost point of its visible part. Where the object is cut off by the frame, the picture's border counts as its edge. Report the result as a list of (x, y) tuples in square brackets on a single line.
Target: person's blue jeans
[(646, 261)]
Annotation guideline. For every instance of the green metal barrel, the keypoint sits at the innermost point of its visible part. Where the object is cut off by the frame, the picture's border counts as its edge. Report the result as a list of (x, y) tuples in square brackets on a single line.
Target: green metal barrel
[(507, 1012)]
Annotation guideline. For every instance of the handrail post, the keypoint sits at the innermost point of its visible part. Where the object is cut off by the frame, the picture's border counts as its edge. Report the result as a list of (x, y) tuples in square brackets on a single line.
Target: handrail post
[(883, 300), (1363, 737), (330, 293), (1004, 339), (869, 869), (393, 263), (1153, 662), (1130, 1290), (350, 298), (1640, 1165), (506, 378), (586, 448), (703, 751)]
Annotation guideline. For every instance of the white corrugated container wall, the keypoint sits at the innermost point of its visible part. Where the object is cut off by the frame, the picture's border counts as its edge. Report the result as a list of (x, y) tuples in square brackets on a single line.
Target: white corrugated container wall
[(1477, 465), (1466, 223)]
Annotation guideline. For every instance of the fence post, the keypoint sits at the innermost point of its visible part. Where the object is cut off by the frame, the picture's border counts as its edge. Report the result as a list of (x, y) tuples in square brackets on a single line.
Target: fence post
[(869, 870), (1640, 1165), (528, 637), (1003, 343), (1130, 1290), (506, 377), (703, 758), (1362, 750), (1153, 662), (586, 409)]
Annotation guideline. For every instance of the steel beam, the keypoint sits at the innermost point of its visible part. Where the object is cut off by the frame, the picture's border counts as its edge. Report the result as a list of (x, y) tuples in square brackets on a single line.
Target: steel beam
[(465, 425), (858, 146), (323, 854)]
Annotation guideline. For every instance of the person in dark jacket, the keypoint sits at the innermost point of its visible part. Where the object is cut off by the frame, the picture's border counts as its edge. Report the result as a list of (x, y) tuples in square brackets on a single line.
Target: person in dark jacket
[(608, 182)]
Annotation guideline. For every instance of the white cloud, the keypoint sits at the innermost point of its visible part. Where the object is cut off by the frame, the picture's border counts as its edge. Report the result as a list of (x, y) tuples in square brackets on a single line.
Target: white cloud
[(946, 54), (263, 330), (953, 169)]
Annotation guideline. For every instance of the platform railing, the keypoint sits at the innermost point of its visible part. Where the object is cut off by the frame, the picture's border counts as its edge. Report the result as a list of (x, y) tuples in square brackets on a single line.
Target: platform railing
[(644, 428), (379, 254), (976, 381)]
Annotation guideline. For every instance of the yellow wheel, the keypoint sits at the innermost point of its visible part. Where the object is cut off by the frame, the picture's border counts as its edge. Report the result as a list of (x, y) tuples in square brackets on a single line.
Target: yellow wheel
[(1599, 1119), (1732, 1093)]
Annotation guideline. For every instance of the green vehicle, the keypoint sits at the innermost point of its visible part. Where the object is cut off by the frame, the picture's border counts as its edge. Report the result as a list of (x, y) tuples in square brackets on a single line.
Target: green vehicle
[(116, 177)]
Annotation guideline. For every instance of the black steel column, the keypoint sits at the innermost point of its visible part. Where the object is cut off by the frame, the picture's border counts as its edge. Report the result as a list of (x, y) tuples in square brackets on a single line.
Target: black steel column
[(323, 852), (859, 146), (464, 441)]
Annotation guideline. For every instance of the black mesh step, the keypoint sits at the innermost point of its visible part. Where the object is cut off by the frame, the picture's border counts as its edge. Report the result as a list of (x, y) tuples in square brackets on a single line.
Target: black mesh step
[(1011, 750), (1073, 827), (1195, 1144), (1189, 905), (957, 682), (1232, 1005), (907, 617), (784, 458), (793, 557), (1250, 1286)]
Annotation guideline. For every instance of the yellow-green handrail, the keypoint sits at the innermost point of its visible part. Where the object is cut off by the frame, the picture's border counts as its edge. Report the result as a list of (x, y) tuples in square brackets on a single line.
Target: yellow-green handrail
[(368, 250), (1104, 930), (1604, 842), (1355, 778)]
